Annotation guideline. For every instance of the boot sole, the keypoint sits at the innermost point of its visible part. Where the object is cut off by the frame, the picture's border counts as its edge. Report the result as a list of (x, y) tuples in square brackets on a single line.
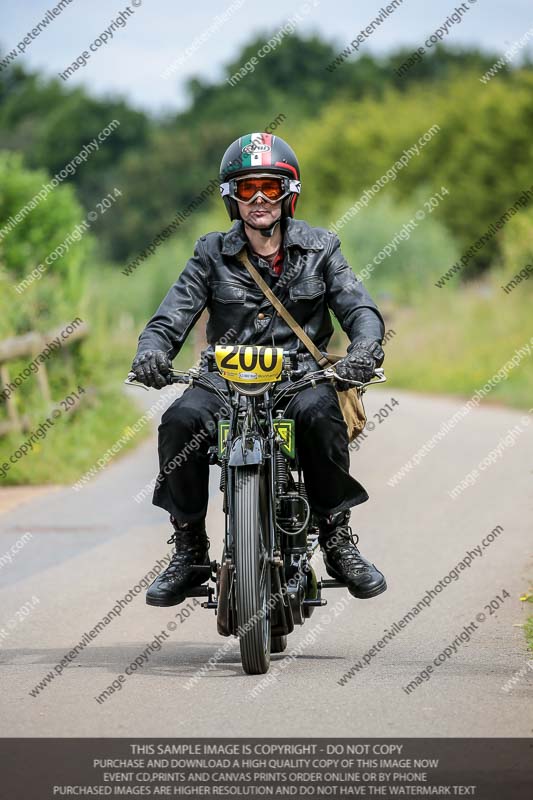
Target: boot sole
[(164, 603), (382, 587)]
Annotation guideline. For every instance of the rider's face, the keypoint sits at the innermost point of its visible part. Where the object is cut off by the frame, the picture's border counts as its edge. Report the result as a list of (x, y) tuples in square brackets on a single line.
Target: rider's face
[(260, 213)]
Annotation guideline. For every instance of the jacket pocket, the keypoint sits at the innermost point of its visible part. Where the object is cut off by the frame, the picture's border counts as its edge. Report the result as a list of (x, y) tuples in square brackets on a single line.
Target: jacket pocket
[(228, 292), (307, 289)]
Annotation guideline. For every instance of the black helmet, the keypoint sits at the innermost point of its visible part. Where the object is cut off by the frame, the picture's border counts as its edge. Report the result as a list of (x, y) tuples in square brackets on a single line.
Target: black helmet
[(260, 154)]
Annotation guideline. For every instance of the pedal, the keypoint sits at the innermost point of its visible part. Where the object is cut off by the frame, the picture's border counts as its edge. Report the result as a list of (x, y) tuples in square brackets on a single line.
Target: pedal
[(197, 591), (209, 570), (329, 583)]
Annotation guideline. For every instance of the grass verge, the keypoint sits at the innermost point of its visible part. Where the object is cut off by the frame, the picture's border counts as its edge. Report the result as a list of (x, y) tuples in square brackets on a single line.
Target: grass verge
[(528, 626), (453, 343), (75, 442)]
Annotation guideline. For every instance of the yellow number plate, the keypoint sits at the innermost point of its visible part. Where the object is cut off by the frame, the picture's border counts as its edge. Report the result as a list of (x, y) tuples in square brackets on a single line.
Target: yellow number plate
[(249, 363)]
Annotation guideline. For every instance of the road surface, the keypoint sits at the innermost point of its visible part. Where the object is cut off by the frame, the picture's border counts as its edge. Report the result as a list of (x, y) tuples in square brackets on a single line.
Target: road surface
[(89, 548)]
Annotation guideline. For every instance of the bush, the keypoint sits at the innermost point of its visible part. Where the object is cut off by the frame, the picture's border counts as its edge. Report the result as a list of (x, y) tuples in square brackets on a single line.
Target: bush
[(59, 295), (415, 249), (516, 264), (51, 295)]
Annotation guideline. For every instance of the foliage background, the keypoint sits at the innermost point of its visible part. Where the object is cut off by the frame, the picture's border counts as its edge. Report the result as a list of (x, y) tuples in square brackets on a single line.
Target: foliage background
[(348, 126)]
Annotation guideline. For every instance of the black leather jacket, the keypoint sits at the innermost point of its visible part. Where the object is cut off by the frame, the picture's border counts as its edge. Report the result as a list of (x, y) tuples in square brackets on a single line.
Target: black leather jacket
[(315, 276)]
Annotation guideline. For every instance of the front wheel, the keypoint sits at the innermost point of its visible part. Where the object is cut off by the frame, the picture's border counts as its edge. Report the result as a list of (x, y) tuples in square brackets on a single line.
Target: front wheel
[(252, 570)]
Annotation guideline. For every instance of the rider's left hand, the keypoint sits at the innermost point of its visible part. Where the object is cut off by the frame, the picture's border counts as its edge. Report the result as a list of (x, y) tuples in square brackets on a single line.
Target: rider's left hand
[(359, 364)]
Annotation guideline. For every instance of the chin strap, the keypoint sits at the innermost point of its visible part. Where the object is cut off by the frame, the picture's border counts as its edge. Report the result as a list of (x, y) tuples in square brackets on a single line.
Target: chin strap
[(266, 232)]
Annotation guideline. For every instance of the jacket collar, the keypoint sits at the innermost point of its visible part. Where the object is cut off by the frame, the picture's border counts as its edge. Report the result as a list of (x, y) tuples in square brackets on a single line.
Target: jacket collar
[(297, 234)]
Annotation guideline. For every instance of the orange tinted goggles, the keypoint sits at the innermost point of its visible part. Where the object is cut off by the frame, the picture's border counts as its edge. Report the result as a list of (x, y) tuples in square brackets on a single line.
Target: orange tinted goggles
[(271, 189)]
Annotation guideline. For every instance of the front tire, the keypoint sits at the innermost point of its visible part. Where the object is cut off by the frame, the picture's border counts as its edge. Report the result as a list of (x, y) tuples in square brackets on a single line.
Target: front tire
[(252, 571)]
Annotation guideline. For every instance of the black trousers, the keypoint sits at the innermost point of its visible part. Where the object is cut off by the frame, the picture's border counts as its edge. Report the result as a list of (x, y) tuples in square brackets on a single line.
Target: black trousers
[(189, 426)]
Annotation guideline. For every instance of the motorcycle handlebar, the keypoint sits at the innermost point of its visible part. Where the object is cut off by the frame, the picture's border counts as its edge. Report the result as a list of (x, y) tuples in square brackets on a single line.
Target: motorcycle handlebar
[(294, 374), (131, 380)]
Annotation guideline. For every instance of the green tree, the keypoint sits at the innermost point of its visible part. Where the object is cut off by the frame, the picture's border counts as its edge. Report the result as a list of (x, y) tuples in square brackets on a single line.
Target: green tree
[(482, 150), (160, 165)]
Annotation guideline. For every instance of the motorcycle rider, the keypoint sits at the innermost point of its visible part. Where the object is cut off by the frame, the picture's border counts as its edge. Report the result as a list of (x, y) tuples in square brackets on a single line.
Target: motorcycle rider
[(303, 265)]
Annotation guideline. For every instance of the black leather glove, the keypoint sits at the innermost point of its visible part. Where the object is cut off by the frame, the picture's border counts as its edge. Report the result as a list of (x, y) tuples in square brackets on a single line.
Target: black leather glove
[(359, 364), (152, 367)]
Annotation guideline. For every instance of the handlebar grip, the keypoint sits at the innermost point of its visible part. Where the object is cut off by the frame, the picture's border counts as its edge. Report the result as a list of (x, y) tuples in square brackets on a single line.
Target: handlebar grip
[(296, 374)]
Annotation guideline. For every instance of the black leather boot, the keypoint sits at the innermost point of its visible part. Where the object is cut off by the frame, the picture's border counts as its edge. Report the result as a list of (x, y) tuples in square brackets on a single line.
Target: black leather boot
[(344, 562), (192, 549)]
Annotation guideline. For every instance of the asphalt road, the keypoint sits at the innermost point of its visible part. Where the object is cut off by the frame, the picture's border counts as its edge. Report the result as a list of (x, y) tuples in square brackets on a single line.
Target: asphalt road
[(89, 548)]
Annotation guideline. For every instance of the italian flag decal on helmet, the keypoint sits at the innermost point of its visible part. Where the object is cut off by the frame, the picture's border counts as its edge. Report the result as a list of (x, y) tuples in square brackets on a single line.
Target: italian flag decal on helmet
[(256, 149)]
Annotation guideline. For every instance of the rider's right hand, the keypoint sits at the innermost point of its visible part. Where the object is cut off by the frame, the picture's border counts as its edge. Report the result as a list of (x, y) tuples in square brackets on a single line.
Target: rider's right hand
[(152, 367), (359, 364)]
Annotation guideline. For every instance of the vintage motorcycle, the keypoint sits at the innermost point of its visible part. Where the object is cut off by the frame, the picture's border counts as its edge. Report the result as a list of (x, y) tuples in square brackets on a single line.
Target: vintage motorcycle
[(264, 584)]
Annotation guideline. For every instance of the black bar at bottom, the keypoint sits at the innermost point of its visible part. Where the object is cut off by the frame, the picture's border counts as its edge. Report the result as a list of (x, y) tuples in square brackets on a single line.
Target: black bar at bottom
[(485, 769)]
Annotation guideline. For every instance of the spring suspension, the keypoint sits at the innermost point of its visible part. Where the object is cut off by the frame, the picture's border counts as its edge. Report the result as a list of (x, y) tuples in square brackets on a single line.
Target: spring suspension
[(281, 472), (223, 474)]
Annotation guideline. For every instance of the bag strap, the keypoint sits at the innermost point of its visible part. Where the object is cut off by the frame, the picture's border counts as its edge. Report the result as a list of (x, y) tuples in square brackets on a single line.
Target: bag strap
[(282, 311)]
